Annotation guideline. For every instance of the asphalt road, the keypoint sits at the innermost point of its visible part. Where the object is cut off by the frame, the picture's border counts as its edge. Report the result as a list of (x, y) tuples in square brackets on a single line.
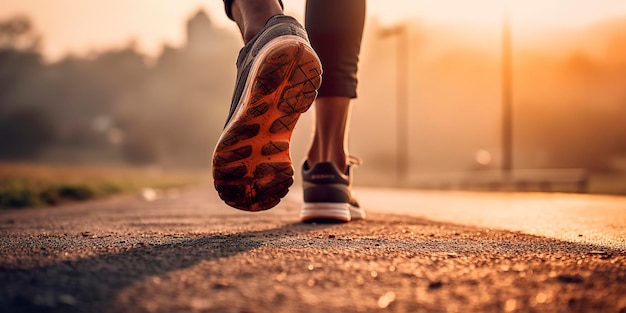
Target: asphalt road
[(417, 252)]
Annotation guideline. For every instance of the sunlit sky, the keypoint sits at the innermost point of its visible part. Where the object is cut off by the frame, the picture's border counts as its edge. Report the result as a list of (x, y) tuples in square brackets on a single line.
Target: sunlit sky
[(79, 26)]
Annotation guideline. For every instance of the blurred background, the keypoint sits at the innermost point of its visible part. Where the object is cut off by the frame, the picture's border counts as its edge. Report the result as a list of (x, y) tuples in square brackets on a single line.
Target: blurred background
[(452, 94)]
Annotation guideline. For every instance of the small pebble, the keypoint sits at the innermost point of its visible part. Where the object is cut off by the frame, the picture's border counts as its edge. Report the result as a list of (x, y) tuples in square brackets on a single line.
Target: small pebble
[(597, 252), (435, 285), (386, 299), (570, 279), (510, 305)]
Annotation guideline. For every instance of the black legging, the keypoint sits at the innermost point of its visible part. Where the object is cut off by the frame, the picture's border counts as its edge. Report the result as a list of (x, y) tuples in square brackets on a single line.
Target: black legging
[(335, 28)]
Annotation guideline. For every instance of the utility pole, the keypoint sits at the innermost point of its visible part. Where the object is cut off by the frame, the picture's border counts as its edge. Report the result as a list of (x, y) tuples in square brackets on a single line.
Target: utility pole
[(402, 100), (402, 82), (507, 97)]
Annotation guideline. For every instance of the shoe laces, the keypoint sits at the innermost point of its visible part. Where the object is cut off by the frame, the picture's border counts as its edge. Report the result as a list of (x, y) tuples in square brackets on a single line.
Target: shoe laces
[(354, 161)]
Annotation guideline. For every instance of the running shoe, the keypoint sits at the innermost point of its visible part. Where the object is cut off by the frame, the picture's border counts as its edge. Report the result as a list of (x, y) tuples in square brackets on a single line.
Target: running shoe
[(328, 194), (278, 74)]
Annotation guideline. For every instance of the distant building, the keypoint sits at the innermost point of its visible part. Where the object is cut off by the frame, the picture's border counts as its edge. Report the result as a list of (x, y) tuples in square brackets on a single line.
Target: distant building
[(204, 38), (206, 45)]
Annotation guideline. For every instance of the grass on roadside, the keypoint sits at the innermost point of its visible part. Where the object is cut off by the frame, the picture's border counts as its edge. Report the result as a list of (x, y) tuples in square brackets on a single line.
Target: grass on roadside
[(27, 185)]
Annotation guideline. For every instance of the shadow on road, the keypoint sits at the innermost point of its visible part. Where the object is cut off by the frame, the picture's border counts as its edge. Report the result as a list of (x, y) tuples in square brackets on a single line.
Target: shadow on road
[(92, 284), (89, 284)]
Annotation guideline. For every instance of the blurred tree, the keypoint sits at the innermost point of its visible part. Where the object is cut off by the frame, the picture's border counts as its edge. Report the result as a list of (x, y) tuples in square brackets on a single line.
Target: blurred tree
[(19, 58), (24, 134), (167, 112), (17, 33), (141, 150), (25, 131)]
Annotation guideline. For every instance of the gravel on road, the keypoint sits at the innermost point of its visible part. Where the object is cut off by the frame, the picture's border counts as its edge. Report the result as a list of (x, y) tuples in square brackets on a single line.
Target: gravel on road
[(189, 253)]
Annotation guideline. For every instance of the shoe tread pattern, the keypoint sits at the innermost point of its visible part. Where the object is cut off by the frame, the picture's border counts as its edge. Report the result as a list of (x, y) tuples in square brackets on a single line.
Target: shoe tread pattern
[(252, 167)]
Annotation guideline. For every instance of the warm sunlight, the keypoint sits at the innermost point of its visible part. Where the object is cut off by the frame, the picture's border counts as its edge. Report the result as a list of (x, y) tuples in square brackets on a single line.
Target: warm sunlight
[(527, 14), (80, 26), (150, 82)]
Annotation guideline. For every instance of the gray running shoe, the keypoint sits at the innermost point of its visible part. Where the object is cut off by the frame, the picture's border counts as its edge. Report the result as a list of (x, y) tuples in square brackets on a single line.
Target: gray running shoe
[(278, 75), (328, 194)]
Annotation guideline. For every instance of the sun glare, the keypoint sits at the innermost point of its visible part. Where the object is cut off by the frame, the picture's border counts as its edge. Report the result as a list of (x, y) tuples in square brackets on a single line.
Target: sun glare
[(526, 14), (76, 25)]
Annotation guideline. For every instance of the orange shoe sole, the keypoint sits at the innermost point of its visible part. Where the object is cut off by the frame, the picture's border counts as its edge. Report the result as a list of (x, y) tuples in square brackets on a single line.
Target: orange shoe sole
[(252, 167)]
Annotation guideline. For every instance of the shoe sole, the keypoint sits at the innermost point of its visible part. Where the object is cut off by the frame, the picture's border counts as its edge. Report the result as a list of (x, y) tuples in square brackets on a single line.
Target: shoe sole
[(324, 211), (252, 167)]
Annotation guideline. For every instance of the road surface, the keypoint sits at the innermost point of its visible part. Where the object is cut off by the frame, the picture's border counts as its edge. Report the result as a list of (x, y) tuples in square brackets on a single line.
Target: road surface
[(417, 252)]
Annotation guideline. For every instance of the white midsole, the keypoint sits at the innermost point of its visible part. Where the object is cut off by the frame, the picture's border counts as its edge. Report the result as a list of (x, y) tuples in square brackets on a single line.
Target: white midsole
[(339, 211)]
